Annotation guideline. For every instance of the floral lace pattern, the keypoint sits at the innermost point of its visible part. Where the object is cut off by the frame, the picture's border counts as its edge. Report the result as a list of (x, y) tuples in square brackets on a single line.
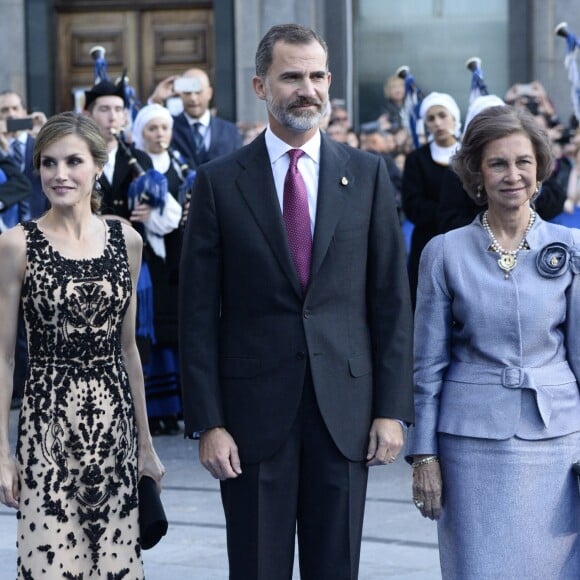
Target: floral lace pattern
[(77, 440)]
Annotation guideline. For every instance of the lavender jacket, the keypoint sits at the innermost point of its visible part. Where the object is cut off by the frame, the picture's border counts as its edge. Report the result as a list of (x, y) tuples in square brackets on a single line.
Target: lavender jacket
[(497, 357)]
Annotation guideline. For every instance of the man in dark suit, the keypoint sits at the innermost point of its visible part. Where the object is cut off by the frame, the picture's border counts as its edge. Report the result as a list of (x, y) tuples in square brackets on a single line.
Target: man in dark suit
[(197, 134), (21, 148), (296, 326), (15, 191)]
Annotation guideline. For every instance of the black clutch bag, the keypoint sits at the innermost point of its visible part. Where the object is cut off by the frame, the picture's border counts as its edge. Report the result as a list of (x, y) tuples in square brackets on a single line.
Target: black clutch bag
[(152, 520)]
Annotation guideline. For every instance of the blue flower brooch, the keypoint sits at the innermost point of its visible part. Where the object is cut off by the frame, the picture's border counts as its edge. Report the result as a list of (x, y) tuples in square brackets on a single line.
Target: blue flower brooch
[(554, 260)]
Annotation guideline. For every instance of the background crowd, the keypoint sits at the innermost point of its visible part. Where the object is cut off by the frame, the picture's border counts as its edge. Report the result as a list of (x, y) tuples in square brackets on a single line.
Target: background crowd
[(120, 176), (177, 130)]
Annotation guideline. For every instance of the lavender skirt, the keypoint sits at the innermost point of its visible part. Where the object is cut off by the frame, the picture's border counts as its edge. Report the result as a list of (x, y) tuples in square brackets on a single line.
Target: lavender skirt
[(511, 509)]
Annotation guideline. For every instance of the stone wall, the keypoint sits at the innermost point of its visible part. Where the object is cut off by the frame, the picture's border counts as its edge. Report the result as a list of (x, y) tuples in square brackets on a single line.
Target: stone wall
[(253, 18), (12, 47), (548, 50)]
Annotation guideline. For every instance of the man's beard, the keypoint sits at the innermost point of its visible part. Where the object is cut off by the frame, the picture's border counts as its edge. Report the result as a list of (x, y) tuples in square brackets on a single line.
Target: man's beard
[(293, 119)]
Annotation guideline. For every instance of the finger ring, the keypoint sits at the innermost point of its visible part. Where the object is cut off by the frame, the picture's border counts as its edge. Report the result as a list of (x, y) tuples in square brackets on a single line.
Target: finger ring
[(392, 459), (419, 504)]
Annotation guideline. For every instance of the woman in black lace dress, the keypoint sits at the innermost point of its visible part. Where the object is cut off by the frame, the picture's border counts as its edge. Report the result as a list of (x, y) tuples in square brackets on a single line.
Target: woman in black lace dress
[(83, 439)]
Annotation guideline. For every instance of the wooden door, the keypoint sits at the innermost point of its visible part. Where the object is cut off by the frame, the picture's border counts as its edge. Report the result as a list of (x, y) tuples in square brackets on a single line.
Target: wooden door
[(148, 44)]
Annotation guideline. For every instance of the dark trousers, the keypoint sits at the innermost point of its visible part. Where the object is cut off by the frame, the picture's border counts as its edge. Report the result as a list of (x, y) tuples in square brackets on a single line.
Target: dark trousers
[(307, 487)]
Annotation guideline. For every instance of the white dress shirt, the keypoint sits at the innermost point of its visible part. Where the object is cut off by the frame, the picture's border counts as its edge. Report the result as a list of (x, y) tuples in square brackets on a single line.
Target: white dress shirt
[(204, 128)]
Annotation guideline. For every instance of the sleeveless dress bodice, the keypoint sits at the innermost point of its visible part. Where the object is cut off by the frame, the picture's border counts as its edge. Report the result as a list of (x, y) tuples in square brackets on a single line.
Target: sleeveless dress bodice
[(77, 439)]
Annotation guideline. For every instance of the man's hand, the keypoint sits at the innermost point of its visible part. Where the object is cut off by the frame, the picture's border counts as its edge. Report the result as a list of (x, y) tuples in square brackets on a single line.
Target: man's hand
[(141, 213), (163, 90), (38, 120), (218, 453), (4, 143), (385, 441)]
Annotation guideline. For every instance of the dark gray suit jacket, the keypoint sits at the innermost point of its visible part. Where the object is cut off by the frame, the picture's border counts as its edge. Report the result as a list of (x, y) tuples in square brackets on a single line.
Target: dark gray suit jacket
[(248, 335)]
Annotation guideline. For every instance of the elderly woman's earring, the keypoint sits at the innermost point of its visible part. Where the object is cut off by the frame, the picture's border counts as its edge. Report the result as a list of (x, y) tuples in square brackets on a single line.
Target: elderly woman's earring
[(97, 183), (479, 193), (538, 188)]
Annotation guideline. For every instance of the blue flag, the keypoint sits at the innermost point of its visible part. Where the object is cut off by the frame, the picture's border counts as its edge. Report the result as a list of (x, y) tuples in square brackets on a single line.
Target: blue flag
[(412, 103), (571, 64), (478, 86)]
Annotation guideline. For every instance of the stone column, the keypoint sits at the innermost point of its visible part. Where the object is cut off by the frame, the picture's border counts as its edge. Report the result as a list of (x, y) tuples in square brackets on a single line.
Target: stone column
[(252, 20), (549, 50), (12, 47)]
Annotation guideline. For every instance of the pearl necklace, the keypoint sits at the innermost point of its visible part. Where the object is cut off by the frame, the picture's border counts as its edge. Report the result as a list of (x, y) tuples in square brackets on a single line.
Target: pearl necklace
[(508, 259)]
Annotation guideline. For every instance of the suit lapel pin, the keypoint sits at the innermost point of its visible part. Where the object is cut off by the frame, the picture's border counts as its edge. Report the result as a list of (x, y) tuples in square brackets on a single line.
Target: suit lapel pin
[(344, 181)]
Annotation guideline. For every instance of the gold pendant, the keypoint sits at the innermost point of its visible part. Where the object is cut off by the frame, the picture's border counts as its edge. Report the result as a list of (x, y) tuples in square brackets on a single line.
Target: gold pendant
[(507, 262)]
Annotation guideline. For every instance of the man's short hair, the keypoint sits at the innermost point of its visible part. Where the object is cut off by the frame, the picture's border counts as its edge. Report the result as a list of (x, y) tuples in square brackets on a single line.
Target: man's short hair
[(288, 33)]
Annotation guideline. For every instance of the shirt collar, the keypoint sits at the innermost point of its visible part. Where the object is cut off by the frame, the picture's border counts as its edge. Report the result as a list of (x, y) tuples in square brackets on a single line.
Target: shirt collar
[(22, 137), (277, 148), (203, 120)]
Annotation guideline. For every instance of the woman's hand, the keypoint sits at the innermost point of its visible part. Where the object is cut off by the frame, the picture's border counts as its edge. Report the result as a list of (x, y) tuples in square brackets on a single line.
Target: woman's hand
[(150, 465), (428, 489), (9, 494)]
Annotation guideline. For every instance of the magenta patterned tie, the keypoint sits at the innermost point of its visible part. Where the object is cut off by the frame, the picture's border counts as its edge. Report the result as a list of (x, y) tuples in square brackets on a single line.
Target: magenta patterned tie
[(297, 218)]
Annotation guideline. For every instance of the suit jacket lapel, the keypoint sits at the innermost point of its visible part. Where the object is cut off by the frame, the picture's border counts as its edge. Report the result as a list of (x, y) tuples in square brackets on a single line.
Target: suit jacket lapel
[(256, 184), (215, 136), (334, 182), (122, 168), (182, 125)]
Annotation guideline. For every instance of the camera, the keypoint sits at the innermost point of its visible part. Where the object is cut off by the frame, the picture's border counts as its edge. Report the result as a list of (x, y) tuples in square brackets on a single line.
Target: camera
[(525, 89), (15, 125), (370, 127), (186, 85)]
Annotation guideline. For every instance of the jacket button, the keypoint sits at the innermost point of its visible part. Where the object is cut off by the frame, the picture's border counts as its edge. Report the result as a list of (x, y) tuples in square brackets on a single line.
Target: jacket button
[(300, 355), (306, 314)]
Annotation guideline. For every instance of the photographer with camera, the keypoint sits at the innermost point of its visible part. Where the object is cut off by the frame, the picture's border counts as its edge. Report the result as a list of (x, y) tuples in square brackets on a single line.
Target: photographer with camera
[(533, 97), (17, 136), (196, 132)]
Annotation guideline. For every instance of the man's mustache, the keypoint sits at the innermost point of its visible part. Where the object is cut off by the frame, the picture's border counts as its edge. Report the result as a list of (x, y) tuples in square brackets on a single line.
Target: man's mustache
[(305, 101)]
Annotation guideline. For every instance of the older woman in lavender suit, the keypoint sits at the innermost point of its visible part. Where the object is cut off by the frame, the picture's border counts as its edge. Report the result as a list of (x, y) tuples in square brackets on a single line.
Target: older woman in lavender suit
[(497, 368)]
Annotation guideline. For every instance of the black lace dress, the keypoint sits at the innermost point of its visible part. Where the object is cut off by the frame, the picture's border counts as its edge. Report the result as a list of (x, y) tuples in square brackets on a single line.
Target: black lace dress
[(77, 439)]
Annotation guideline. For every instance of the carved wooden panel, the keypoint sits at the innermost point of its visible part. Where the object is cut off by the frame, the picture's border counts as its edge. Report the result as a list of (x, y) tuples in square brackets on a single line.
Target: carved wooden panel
[(78, 33), (150, 45), (176, 40)]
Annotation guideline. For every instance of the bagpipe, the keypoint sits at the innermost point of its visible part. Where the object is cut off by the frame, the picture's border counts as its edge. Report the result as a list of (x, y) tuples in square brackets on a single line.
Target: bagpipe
[(102, 74), (478, 86), (149, 187), (571, 64), (412, 101), (101, 69), (185, 173)]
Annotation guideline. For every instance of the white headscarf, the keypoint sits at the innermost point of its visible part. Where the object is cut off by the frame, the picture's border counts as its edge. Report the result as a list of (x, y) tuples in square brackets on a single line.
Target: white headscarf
[(443, 100), (143, 117), (480, 104)]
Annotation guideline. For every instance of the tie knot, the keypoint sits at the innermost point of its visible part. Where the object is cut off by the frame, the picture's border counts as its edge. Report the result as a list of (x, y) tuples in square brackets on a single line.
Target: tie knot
[(295, 154)]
